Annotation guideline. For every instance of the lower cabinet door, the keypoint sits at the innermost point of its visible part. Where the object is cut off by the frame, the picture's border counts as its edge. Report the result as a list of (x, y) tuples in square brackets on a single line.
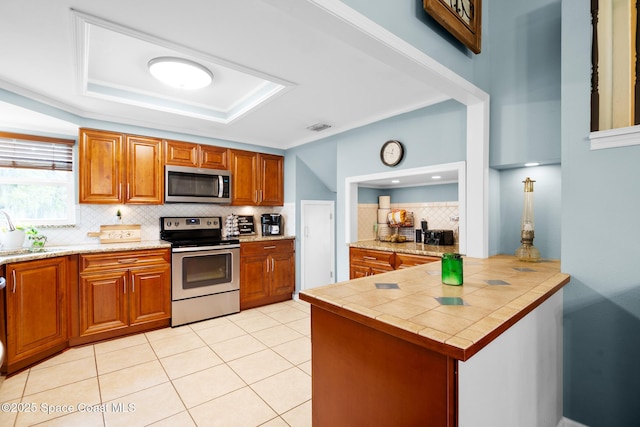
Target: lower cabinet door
[(103, 302), (357, 271), (36, 307), (150, 294), (282, 271), (254, 284)]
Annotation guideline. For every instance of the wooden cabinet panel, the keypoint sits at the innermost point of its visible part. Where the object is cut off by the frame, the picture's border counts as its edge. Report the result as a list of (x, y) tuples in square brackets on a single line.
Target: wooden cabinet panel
[(366, 262), (244, 188), (258, 179), (118, 168), (411, 260), (267, 272), (121, 291), (36, 309), (214, 157), (181, 153), (150, 294), (271, 180), (103, 302), (282, 281), (356, 271), (101, 166), (254, 280), (145, 170), (119, 260), (363, 377)]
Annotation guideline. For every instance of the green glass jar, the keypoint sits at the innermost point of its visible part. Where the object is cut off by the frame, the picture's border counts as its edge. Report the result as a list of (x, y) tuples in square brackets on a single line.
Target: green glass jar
[(452, 269)]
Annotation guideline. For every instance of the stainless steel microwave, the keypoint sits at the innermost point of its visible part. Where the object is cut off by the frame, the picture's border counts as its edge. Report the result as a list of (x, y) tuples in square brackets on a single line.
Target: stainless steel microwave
[(194, 185)]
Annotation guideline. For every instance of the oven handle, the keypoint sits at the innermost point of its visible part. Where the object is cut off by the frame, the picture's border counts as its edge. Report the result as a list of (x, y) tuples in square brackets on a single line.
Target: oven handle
[(205, 248)]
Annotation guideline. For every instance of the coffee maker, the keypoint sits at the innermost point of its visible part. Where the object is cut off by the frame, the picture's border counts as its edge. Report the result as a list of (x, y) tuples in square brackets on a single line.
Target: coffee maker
[(271, 224)]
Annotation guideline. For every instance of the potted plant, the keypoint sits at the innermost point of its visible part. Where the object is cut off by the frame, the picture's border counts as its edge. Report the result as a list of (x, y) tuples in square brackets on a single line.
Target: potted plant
[(37, 240)]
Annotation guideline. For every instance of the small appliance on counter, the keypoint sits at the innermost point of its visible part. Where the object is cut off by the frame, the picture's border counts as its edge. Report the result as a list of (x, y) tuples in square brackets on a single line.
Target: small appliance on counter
[(438, 237), (271, 224)]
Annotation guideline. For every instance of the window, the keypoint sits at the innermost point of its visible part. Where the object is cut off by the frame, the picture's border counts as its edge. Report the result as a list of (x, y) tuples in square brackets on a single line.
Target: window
[(615, 67), (36, 179)]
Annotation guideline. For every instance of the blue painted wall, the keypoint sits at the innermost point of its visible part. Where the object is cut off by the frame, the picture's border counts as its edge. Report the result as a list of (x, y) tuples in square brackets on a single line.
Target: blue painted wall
[(419, 194), (535, 63), (602, 303)]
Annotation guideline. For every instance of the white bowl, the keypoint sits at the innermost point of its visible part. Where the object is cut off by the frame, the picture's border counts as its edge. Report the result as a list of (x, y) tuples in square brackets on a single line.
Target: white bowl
[(10, 240)]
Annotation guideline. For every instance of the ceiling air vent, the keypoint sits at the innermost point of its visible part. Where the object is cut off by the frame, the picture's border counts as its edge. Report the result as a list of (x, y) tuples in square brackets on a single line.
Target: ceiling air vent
[(319, 127)]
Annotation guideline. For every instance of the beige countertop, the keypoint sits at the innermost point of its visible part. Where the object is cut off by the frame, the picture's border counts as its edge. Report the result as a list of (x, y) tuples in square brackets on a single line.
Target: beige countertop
[(54, 251), (497, 292), (259, 238), (406, 247)]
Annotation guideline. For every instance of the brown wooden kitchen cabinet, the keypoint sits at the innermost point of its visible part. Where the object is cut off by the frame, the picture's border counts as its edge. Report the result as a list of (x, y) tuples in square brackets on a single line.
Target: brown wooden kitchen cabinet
[(118, 168), (267, 272), (181, 153), (258, 178), (123, 292), (403, 260), (36, 311), (366, 262)]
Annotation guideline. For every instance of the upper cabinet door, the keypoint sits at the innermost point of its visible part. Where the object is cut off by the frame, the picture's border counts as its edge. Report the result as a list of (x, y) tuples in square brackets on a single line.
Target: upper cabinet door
[(271, 180), (214, 157), (182, 153), (244, 188), (258, 179), (145, 170), (101, 167), (117, 168)]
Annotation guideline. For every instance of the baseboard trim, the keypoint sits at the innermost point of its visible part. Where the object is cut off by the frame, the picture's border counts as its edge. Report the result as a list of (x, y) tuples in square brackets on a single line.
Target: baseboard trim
[(566, 422)]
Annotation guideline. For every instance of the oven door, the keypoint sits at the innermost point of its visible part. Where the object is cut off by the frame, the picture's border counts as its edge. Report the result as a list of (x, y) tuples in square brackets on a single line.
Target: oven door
[(204, 271)]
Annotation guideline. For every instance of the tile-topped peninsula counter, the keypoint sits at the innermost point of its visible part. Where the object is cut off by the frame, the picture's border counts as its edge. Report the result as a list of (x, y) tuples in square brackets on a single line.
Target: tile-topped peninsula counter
[(400, 348)]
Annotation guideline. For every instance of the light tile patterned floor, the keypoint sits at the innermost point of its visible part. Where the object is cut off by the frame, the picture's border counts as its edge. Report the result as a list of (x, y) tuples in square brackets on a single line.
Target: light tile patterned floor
[(248, 369)]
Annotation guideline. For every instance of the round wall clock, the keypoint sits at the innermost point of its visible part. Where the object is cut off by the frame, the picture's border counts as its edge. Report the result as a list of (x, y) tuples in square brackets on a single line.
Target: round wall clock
[(391, 152)]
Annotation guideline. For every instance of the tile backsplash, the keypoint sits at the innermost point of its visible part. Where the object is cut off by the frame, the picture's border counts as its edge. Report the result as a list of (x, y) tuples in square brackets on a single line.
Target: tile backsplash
[(438, 214), (90, 217)]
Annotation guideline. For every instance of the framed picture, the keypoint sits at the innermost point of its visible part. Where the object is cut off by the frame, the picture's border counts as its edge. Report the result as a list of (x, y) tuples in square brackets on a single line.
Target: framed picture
[(462, 18)]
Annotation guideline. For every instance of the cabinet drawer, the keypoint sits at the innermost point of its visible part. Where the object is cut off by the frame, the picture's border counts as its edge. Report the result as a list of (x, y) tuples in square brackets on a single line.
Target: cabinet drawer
[(410, 260), (266, 247), (126, 259), (371, 257)]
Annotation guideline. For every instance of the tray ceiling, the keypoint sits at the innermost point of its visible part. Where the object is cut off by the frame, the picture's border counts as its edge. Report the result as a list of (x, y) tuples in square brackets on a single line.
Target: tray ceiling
[(279, 66)]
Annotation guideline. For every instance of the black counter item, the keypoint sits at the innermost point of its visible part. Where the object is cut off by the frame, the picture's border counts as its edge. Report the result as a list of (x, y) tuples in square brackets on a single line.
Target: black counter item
[(424, 225), (271, 224), (418, 235), (246, 224), (439, 237)]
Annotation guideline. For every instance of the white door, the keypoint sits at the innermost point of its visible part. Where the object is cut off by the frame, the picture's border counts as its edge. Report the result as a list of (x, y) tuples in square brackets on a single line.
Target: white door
[(318, 249)]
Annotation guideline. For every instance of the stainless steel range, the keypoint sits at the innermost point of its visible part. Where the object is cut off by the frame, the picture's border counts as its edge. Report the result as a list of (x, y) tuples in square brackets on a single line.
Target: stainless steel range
[(205, 269)]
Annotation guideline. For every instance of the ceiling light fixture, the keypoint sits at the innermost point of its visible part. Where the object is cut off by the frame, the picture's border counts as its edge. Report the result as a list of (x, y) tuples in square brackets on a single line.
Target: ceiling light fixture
[(180, 73), (532, 164), (436, 177)]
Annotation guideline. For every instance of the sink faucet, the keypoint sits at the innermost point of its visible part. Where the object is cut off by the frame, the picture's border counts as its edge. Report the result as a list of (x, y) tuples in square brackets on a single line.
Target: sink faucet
[(9, 222)]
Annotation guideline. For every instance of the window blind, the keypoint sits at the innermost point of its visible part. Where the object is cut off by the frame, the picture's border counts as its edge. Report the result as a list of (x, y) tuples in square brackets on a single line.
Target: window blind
[(34, 152)]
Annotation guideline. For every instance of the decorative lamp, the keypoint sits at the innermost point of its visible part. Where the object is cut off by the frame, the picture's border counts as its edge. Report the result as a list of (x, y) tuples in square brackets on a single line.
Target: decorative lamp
[(526, 251)]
